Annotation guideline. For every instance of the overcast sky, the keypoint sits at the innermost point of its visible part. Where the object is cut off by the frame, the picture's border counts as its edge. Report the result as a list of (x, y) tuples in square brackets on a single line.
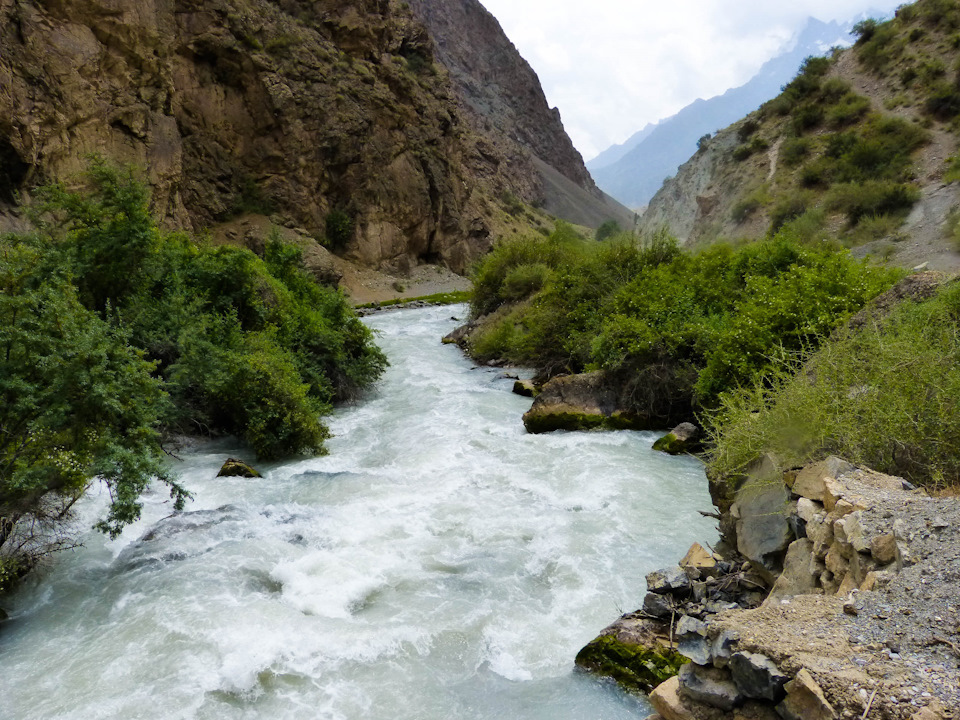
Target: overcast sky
[(612, 66)]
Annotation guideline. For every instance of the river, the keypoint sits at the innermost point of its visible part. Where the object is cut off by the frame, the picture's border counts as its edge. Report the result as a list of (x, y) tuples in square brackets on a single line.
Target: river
[(439, 563)]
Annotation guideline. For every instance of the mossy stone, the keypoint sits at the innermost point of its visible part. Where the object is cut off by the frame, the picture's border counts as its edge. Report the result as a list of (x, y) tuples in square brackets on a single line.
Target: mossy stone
[(671, 444), (636, 667), (237, 468)]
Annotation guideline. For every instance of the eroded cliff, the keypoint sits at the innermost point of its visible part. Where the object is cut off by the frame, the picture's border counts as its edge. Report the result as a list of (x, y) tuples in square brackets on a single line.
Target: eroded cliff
[(289, 108)]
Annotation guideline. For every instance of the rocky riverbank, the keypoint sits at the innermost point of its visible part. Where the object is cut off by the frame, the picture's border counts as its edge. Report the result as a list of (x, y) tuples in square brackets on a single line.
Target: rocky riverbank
[(832, 594)]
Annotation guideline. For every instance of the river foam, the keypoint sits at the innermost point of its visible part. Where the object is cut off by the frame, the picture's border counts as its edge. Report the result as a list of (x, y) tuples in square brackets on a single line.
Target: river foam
[(438, 563)]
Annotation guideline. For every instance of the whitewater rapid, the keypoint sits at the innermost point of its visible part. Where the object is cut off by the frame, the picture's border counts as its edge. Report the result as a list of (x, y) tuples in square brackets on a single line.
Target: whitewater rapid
[(439, 563)]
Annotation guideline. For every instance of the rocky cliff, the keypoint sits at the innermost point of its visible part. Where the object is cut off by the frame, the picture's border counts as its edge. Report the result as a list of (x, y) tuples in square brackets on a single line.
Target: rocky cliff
[(297, 109), (501, 97)]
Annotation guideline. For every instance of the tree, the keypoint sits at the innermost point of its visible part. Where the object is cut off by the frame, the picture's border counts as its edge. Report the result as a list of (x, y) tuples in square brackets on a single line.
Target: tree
[(76, 401), (607, 230)]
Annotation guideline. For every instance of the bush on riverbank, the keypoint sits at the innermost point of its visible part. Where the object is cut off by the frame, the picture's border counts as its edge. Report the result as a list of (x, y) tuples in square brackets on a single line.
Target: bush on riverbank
[(115, 332), (886, 395), (709, 322)]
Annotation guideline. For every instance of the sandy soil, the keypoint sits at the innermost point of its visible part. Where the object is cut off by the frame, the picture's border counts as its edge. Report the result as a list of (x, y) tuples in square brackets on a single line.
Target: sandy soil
[(364, 285)]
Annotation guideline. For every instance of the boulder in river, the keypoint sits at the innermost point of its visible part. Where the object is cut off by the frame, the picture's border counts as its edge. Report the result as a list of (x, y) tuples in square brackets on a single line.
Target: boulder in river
[(635, 651), (525, 388), (237, 468), (588, 401), (684, 438)]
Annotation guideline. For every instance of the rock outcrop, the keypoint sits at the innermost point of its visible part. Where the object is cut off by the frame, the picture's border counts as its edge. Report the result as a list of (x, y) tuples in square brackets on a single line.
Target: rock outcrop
[(501, 97), (837, 596), (293, 109)]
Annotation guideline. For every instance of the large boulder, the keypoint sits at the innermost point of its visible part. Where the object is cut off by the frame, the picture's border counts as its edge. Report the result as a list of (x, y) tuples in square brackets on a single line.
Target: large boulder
[(237, 468), (762, 511), (588, 401)]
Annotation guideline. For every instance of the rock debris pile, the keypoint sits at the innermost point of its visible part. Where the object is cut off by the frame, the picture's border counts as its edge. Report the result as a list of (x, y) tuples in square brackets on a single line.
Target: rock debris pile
[(833, 594)]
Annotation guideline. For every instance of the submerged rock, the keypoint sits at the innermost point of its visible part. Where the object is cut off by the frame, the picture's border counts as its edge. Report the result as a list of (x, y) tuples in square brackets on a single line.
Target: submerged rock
[(237, 468)]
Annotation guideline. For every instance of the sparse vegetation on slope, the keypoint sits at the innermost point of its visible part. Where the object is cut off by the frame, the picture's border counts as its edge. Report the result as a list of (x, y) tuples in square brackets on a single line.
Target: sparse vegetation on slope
[(847, 150), (885, 395)]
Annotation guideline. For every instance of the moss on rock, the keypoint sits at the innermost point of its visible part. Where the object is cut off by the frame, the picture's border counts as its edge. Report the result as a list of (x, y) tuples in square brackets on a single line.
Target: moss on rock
[(636, 667), (671, 444)]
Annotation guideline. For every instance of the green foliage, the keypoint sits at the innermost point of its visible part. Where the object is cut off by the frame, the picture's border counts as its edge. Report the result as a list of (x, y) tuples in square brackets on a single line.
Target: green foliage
[(943, 101), (874, 197), (671, 326), (281, 44), (886, 395), (847, 110), (866, 170), (78, 401), (339, 228), (607, 230), (115, 331), (794, 150), (757, 144), (878, 44), (489, 276), (789, 207), (747, 128), (865, 29)]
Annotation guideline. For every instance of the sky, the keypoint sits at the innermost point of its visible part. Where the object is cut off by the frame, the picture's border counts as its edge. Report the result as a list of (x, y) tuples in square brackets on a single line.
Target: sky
[(612, 66)]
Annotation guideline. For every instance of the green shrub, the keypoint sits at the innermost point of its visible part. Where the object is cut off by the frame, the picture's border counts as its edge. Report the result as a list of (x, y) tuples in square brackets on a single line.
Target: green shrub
[(339, 228), (806, 117), (215, 320), (747, 128), (868, 395), (607, 230), (848, 109), (943, 101), (281, 44), (672, 327), (744, 209), (789, 207), (878, 45), (794, 150), (874, 197), (865, 30), (523, 281)]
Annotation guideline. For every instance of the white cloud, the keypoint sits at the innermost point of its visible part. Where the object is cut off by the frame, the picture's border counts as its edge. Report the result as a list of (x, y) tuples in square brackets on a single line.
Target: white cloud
[(612, 66)]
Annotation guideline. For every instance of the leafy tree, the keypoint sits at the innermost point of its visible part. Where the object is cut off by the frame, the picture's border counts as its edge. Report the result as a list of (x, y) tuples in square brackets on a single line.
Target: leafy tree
[(76, 401), (607, 230)]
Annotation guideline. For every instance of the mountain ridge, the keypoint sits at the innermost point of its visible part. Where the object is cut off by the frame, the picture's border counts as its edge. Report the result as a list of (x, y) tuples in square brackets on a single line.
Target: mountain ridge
[(638, 173)]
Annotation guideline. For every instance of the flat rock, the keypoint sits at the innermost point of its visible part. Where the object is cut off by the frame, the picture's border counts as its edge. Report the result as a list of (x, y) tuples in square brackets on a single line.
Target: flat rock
[(668, 580), (810, 482)]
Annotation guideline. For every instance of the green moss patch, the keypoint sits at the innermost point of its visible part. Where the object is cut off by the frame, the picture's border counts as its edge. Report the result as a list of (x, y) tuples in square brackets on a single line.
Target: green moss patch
[(633, 666)]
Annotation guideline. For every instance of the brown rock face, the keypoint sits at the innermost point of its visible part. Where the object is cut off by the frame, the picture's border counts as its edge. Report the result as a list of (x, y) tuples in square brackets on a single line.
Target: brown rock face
[(292, 107), (498, 86)]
